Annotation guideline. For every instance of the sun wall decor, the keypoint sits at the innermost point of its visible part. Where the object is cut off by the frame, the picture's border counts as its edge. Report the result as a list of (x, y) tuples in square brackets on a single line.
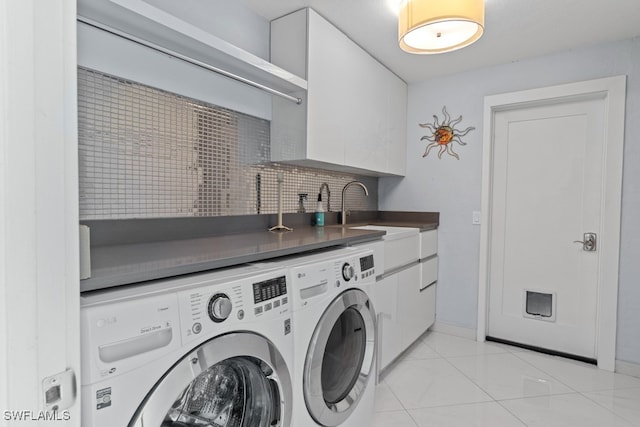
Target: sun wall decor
[(443, 134)]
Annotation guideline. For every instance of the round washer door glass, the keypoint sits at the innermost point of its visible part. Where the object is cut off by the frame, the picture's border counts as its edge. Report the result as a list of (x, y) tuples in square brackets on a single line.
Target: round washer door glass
[(235, 392), (343, 356), (340, 358), (236, 380)]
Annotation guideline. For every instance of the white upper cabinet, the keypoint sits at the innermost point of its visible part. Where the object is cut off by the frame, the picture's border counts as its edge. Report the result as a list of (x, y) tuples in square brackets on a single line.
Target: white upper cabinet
[(353, 115)]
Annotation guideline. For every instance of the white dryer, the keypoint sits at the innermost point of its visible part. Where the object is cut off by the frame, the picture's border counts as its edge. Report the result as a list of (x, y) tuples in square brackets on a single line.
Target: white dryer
[(334, 338), (211, 349)]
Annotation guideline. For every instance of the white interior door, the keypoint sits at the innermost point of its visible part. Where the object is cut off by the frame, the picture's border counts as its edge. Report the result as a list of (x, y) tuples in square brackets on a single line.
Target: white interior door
[(552, 170), (547, 188)]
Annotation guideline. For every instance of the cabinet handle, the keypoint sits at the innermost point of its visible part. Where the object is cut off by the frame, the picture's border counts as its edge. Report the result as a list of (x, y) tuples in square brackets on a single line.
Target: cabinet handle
[(397, 270), (428, 286)]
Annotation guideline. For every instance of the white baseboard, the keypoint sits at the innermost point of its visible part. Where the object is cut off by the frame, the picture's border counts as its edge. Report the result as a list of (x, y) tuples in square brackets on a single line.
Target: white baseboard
[(628, 368), (457, 331)]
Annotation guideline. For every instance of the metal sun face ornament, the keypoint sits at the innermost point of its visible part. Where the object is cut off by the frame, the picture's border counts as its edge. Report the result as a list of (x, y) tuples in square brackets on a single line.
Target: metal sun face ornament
[(443, 134)]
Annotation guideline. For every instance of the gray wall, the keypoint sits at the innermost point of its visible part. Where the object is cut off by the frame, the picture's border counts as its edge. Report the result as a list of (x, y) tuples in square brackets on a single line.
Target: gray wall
[(453, 187), (233, 21)]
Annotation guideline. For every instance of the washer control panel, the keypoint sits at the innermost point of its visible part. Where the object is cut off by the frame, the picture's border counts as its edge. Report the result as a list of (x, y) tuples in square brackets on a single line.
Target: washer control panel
[(269, 289), (217, 307), (357, 269), (366, 266), (353, 270)]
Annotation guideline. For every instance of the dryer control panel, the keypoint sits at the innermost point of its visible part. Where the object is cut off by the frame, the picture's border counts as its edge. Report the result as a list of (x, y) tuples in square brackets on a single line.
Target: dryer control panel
[(215, 308), (318, 275)]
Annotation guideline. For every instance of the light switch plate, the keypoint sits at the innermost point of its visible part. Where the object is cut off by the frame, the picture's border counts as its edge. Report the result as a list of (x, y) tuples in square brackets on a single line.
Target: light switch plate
[(475, 218)]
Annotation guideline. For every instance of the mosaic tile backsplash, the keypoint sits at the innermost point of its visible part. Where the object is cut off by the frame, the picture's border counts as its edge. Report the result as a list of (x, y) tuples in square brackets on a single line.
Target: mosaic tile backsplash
[(148, 153)]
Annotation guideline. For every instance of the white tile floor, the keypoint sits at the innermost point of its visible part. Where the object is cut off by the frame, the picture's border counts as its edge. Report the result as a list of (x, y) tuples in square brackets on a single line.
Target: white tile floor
[(447, 381)]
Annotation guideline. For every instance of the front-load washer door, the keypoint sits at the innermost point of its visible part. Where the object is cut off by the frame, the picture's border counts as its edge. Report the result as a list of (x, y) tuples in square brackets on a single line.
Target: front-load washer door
[(340, 358), (234, 380)]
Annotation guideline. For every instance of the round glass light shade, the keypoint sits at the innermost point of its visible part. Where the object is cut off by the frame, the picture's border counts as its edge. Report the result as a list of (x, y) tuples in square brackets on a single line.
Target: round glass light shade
[(436, 26)]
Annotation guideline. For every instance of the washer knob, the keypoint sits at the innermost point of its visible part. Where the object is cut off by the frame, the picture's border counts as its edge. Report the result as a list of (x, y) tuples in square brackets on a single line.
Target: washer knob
[(219, 307), (347, 272)]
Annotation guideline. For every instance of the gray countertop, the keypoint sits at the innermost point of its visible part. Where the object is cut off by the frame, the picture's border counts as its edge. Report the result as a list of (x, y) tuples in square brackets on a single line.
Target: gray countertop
[(132, 251), (115, 265)]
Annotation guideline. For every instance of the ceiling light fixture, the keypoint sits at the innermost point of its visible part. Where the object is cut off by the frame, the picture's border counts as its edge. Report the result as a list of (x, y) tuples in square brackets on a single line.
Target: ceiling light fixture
[(437, 26)]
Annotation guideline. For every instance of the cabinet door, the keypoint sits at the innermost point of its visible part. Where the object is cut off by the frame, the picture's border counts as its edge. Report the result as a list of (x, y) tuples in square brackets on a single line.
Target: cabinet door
[(370, 84), (411, 307), (386, 303), (395, 119), (355, 111), (330, 104), (380, 119)]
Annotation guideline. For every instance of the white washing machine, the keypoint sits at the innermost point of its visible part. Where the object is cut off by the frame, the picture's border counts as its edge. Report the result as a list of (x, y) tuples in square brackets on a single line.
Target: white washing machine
[(334, 338), (212, 349)]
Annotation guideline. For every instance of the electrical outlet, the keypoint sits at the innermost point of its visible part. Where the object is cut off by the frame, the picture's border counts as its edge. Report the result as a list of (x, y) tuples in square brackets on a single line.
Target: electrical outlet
[(475, 218)]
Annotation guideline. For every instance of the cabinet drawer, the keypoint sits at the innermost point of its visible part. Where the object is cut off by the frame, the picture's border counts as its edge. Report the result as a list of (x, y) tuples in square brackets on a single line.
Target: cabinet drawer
[(399, 252), (428, 272), (428, 243)]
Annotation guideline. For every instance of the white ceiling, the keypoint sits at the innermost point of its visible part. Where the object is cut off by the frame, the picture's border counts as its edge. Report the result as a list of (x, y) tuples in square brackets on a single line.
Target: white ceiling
[(514, 30)]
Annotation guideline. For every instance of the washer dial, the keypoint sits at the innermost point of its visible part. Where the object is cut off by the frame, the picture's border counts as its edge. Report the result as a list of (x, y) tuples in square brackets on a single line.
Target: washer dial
[(219, 307), (347, 271)]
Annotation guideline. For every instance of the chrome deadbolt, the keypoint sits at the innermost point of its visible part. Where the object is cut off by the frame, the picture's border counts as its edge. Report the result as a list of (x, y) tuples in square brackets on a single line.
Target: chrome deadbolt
[(589, 242)]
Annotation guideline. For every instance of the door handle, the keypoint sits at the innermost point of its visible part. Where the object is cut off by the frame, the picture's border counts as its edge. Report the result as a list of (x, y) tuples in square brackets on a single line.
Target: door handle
[(589, 242)]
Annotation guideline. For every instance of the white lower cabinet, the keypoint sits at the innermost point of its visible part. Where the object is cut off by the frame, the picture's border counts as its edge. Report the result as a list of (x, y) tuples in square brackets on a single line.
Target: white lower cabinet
[(406, 299), (406, 310)]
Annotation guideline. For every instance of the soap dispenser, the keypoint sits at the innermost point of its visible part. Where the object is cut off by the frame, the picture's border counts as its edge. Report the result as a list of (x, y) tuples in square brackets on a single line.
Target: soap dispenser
[(301, 198), (319, 215)]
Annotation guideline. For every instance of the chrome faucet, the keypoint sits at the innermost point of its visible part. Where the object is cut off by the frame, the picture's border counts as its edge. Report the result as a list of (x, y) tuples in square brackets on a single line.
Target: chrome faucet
[(325, 185), (344, 190)]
